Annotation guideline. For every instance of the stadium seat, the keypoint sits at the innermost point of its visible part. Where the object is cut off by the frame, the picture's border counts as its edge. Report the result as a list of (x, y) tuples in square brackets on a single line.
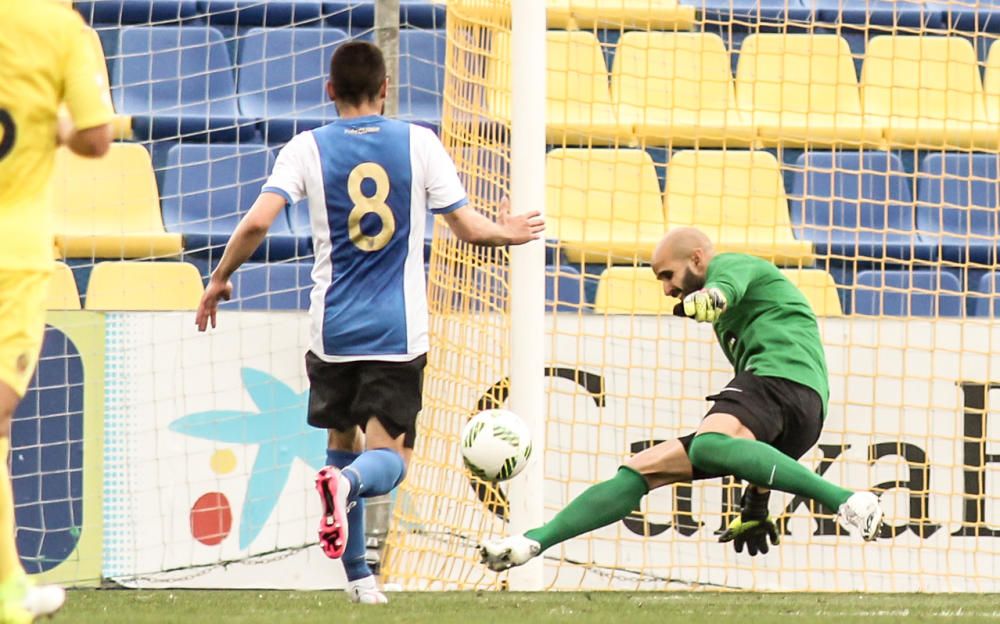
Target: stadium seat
[(619, 14), (974, 17), (144, 286), (738, 199), (986, 297), (563, 289), (925, 91), (885, 13), (136, 11), (208, 188), (819, 288), (177, 82), (591, 14), (421, 76), (244, 13), (957, 206), (63, 294), (677, 89), (282, 79), (109, 207), (800, 89), (907, 293), (856, 205), (360, 14), (579, 104), (603, 205), (271, 286), (632, 290), (991, 81), (753, 14)]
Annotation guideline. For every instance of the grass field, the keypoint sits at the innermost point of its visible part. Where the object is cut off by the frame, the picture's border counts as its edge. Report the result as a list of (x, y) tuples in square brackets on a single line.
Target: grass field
[(217, 607)]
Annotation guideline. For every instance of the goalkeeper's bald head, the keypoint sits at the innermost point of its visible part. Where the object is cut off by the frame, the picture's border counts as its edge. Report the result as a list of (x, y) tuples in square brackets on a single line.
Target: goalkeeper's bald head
[(681, 243), (680, 260)]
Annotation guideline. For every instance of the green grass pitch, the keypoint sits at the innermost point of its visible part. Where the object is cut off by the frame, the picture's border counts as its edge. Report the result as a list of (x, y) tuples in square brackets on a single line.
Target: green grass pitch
[(249, 607)]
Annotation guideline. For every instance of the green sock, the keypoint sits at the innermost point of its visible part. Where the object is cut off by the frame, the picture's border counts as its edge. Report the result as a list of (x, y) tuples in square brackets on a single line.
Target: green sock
[(599, 505), (763, 465)]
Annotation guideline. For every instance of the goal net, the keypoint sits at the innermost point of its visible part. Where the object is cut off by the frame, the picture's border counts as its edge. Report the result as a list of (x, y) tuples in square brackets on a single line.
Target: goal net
[(853, 145)]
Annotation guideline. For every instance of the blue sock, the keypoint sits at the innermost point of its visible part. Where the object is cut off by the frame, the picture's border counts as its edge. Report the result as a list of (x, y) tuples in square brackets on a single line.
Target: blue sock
[(375, 472), (354, 562)]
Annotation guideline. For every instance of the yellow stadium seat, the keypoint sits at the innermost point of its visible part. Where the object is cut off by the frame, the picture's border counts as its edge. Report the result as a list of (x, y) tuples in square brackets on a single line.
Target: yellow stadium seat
[(144, 286), (738, 199), (801, 89), (109, 207), (63, 294), (588, 14), (925, 91), (991, 84), (603, 204), (579, 106), (638, 14), (819, 288), (632, 290), (677, 89)]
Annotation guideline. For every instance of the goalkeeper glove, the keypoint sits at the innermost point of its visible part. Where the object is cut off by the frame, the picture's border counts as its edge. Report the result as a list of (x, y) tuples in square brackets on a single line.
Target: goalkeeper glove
[(754, 525), (705, 305)]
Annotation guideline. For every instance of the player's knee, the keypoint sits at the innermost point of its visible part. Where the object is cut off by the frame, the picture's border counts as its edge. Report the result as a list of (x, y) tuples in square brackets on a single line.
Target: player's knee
[(704, 451)]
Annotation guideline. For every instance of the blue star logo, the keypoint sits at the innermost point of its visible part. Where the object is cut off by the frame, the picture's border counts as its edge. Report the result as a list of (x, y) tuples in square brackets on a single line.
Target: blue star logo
[(278, 427)]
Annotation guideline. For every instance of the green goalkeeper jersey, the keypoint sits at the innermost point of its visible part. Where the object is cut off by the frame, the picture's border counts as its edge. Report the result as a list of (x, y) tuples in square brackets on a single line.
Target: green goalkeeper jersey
[(768, 327)]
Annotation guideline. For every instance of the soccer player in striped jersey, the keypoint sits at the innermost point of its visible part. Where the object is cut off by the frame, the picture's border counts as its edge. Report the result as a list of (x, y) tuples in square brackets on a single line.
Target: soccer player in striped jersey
[(759, 425), (369, 182), (46, 59)]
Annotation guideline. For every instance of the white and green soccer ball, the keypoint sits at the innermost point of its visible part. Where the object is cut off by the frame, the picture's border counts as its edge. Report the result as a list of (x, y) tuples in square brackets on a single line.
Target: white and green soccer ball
[(496, 445)]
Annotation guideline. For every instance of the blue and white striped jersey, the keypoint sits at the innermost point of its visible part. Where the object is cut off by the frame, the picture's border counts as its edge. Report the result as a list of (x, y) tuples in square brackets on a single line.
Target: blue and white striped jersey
[(369, 182)]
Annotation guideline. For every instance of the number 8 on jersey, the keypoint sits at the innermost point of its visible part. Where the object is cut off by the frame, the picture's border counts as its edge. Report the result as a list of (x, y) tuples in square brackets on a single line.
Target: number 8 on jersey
[(364, 205)]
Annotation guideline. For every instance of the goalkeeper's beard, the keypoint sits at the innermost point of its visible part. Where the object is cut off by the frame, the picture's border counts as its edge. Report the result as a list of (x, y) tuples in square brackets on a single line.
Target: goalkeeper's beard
[(692, 283)]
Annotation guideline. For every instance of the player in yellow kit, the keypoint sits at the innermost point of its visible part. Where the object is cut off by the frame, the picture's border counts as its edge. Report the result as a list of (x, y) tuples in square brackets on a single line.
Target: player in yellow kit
[(46, 59)]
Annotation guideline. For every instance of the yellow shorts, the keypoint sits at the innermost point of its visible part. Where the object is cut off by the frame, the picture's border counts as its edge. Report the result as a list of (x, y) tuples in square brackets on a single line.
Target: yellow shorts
[(23, 295)]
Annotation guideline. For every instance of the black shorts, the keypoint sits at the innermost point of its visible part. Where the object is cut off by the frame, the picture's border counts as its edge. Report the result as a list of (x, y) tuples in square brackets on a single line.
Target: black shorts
[(347, 394), (779, 412)]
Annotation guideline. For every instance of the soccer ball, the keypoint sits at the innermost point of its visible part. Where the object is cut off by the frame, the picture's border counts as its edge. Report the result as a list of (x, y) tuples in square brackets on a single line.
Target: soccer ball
[(496, 445)]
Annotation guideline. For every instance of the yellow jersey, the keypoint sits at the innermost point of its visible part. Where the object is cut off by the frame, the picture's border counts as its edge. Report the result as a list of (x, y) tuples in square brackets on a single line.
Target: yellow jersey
[(46, 58)]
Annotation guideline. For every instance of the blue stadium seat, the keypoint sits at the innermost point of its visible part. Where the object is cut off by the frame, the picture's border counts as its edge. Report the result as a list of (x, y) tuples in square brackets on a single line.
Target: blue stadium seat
[(563, 289), (246, 13), (881, 13), (979, 17), (907, 293), (421, 76), (855, 205), (957, 201), (208, 188), (175, 82), (282, 78), (271, 286), (747, 14), (361, 13), (136, 11), (986, 297)]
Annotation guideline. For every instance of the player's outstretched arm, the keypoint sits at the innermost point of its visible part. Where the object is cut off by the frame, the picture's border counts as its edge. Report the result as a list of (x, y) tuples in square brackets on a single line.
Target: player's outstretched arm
[(472, 227), (247, 237)]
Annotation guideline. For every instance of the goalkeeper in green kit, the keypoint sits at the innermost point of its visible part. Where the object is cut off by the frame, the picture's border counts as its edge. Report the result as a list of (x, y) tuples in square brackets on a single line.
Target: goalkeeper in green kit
[(766, 418)]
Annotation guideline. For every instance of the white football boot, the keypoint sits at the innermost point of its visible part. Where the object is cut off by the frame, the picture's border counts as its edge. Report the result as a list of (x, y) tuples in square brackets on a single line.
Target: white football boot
[(505, 553), (862, 510), (365, 591)]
